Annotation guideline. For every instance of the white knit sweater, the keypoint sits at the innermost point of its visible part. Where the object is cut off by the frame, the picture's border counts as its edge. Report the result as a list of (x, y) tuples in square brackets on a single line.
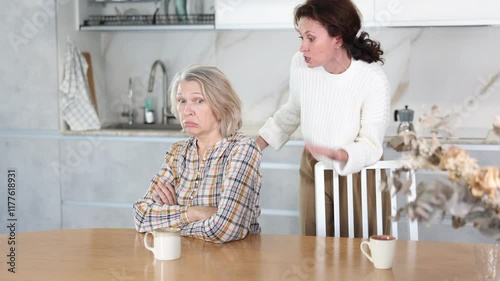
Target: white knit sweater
[(343, 111)]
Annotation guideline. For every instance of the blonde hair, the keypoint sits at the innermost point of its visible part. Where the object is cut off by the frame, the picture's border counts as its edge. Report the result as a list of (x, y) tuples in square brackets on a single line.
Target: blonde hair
[(218, 92)]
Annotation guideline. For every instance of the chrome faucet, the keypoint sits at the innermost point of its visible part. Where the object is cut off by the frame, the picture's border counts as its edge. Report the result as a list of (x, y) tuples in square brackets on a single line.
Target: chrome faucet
[(166, 106)]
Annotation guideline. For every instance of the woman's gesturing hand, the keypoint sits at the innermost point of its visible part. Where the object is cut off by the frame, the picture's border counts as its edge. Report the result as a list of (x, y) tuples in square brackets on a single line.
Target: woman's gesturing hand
[(334, 154)]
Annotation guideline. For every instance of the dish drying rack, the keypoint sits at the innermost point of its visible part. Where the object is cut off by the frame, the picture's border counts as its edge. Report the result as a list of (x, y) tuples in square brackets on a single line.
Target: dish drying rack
[(140, 20)]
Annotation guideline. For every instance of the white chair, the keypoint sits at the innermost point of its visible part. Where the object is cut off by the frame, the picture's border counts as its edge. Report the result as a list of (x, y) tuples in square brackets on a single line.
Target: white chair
[(388, 166)]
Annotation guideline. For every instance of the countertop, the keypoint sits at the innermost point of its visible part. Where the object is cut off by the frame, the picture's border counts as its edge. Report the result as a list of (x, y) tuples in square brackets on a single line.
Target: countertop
[(472, 136), (251, 131)]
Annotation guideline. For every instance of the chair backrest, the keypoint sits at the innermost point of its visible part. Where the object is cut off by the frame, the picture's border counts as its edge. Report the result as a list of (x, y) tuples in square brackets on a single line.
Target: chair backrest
[(388, 166)]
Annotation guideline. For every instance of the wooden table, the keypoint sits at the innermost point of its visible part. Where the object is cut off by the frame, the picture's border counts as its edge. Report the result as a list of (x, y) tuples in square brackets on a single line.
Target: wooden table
[(119, 254)]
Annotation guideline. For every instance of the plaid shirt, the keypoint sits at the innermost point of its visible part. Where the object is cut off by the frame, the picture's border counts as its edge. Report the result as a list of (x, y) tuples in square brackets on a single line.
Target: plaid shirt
[(227, 177)]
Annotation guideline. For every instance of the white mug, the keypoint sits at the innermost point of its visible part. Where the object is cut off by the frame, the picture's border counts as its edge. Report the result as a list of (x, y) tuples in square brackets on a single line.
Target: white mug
[(167, 243), (382, 248)]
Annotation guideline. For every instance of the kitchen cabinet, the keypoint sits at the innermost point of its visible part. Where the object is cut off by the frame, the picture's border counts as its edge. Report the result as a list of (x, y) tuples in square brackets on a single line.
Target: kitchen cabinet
[(367, 9), (101, 176), (112, 15), (123, 15), (269, 14), (437, 13), (255, 14), (109, 15), (278, 14)]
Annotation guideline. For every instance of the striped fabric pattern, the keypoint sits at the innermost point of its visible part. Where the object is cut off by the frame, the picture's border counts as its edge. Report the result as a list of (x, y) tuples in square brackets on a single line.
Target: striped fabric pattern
[(227, 176)]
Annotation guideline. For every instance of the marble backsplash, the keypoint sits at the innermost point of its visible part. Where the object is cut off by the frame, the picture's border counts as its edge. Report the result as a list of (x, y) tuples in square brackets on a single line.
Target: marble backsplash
[(456, 68)]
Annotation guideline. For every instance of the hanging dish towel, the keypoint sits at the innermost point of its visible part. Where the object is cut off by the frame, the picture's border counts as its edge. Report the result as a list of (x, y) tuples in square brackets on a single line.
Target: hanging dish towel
[(77, 110)]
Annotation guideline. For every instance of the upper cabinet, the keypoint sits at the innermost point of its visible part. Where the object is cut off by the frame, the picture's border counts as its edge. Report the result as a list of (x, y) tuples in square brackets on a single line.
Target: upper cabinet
[(436, 12), (117, 15), (278, 14), (366, 8), (108, 15), (269, 14), (255, 14)]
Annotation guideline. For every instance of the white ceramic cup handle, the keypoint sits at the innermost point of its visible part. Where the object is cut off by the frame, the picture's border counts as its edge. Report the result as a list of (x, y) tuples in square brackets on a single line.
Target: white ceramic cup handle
[(146, 244), (363, 250)]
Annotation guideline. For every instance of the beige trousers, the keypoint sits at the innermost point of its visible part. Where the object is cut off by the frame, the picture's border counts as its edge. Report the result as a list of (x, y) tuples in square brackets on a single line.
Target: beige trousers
[(307, 201)]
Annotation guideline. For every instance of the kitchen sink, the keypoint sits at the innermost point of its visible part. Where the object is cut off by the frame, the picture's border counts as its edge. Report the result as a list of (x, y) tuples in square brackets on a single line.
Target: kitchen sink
[(138, 126)]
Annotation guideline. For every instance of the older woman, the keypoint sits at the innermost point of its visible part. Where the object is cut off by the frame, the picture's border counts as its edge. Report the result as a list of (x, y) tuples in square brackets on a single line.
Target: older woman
[(209, 184)]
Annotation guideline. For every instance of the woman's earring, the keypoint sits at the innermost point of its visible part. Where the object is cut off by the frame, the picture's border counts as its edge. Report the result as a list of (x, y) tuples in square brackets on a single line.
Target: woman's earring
[(338, 47)]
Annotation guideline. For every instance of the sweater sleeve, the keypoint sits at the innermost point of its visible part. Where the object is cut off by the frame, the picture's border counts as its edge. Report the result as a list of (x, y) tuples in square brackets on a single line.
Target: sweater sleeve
[(277, 130), (366, 149)]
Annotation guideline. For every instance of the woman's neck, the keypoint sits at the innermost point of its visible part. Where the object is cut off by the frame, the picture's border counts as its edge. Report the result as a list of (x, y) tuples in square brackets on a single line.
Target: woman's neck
[(204, 143), (338, 64)]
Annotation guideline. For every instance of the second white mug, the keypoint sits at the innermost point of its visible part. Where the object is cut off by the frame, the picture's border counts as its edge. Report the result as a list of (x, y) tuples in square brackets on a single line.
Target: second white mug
[(167, 243), (382, 248)]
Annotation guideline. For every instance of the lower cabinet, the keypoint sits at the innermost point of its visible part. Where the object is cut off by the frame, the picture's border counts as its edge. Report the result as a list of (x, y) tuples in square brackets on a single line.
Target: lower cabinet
[(102, 177), (92, 182)]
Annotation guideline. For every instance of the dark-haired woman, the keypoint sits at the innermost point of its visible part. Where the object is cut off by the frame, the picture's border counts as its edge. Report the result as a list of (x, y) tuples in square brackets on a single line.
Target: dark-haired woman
[(340, 97)]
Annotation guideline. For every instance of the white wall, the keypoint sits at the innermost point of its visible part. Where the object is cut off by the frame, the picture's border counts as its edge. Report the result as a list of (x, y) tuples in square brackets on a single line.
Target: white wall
[(28, 109)]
